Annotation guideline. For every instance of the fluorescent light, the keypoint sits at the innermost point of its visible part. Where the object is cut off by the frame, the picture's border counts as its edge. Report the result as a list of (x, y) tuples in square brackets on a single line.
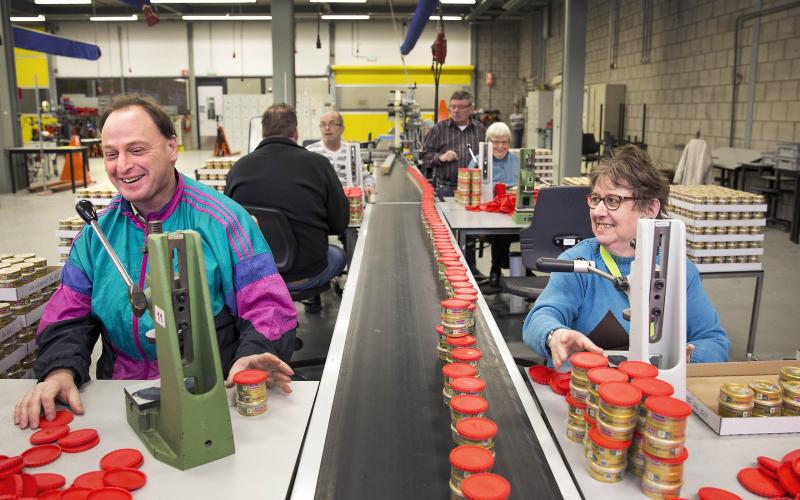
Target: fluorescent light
[(27, 19), (338, 1), (226, 17), (202, 1), (458, 2), (62, 2), (132, 17), (446, 18), (344, 17)]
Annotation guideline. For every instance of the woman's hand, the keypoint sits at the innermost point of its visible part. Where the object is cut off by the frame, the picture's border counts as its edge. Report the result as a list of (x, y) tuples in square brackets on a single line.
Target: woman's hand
[(280, 374), (564, 342), (689, 351), (59, 384)]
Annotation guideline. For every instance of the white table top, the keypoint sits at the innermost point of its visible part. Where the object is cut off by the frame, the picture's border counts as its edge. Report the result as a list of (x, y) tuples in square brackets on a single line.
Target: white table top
[(267, 446), (731, 158), (459, 218), (713, 460)]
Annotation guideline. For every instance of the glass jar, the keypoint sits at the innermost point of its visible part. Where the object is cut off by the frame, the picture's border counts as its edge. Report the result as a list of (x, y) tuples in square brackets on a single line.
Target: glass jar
[(475, 431), (467, 460)]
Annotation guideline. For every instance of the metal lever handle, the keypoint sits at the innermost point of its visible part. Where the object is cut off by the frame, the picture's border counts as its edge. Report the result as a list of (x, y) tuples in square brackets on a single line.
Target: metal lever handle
[(136, 296), (551, 265)]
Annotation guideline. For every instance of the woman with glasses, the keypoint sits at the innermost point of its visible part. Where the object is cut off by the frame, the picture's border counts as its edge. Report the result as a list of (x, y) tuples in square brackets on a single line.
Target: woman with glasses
[(505, 169), (583, 312)]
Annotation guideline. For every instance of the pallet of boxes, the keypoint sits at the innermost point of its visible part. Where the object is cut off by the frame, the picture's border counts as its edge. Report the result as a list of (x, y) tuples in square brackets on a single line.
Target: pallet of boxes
[(26, 284), (724, 227), (215, 172)]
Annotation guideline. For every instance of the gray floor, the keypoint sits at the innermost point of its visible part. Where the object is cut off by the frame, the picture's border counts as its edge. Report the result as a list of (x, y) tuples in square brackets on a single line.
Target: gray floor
[(28, 222)]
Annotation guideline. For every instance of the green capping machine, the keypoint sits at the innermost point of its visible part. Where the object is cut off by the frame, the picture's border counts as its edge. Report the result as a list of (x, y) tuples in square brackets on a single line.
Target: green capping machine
[(183, 418)]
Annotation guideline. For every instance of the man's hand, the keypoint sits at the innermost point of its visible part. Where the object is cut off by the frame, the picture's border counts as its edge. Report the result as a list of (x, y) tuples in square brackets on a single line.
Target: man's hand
[(448, 155), (280, 374), (370, 190), (564, 342), (59, 384)]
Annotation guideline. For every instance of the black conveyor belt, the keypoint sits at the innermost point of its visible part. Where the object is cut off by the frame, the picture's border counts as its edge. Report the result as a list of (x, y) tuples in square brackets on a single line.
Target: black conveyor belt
[(389, 431)]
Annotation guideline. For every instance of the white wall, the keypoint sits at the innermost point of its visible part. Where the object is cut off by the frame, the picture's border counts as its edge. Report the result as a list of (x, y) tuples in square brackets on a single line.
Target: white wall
[(376, 43), (215, 43)]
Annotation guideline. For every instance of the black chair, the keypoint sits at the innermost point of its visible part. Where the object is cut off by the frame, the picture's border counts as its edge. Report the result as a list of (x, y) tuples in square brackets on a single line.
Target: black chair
[(306, 142), (590, 149), (560, 221)]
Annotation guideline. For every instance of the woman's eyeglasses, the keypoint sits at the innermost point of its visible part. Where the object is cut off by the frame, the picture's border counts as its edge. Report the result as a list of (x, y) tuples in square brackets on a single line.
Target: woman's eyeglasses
[(611, 201)]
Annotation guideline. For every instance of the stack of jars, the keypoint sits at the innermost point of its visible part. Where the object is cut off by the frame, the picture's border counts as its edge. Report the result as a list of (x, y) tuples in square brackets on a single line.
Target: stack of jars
[(356, 202), (664, 450), (766, 398), (453, 371), (650, 387), (457, 321), (463, 187), (597, 377), (735, 400), (576, 424), (613, 431), (582, 362)]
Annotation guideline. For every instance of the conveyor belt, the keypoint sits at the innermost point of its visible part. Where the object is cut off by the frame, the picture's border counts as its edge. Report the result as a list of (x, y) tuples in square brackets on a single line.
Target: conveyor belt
[(389, 431)]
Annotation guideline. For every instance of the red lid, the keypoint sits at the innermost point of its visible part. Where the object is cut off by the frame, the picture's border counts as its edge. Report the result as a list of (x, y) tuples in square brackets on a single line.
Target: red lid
[(471, 405), (769, 463), (454, 304), (440, 330), (63, 417), (540, 374), (620, 394), (638, 369), (667, 406), (455, 272), (562, 386), (92, 480), (476, 428), (40, 455), (787, 459), (467, 384), (456, 370), (122, 459), (471, 458), (590, 421), (558, 380), (672, 460), (769, 473), (485, 486), (49, 435), (50, 495), (788, 480), (465, 341), (574, 402), (716, 494), (796, 466), (78, 438), (83, 447), (466, 354), (605, 374), (250, 377), (29, 488), (110, 493), (10, 463), (47, 481), (600, 440), (653, 387), (75, 493), (759, 483), (587, 360), (446, 258), (468, 298), (462, 288), (458, 279), (129, 479)]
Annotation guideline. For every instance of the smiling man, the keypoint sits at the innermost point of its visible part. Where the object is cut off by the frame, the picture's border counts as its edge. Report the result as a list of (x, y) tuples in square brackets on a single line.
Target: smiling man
[(253, 312)]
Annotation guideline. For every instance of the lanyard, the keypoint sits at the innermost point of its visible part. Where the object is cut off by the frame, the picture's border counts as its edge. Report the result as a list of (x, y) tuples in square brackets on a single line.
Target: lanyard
[(614, 270)]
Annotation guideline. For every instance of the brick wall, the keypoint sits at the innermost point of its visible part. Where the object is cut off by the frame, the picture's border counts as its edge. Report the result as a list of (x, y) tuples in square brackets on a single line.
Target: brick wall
[(498, 52), (687, 85)]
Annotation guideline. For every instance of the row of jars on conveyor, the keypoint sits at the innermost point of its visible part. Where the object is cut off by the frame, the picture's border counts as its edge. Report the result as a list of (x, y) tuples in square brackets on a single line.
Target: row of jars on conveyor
[(762, 397), (473, 456), (19, 269), (627, 421)]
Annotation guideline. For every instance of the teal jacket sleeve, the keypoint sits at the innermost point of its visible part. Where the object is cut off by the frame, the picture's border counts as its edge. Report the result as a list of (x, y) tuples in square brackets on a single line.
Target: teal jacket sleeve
[(703, 328)]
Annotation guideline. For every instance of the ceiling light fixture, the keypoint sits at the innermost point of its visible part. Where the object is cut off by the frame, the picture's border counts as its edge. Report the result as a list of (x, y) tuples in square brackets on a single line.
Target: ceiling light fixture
[(226, 17), (62, 2), (132, 17), (27, 19), (344, 17), (446, 18), (458, 2)]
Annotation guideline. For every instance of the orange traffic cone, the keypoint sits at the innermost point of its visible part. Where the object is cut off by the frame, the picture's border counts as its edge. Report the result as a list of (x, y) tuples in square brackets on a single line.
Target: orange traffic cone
[(77, 162), (444, 114)]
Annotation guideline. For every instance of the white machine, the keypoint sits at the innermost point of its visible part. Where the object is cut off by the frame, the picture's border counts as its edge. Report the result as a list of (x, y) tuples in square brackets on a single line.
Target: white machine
[(656, 288), (485, 164)]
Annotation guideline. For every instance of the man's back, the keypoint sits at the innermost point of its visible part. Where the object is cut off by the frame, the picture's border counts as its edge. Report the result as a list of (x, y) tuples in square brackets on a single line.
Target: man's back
[(280, 174)]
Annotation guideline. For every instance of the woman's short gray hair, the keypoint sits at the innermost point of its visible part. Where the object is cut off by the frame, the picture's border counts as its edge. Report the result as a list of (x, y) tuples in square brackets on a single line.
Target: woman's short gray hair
[(497, 129)]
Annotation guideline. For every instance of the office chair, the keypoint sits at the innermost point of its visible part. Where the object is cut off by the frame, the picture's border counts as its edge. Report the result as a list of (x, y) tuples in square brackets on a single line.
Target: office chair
[(590, 149), (560, 221), (306, 142)]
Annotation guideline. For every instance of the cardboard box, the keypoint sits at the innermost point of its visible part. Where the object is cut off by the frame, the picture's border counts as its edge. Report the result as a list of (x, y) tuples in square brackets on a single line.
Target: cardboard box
[(17, 355), (11, 328), (14, 294), (703, 381), (33, 316)]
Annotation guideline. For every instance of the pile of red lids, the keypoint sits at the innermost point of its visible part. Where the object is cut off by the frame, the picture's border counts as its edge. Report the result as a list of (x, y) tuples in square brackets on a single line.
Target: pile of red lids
[(480, 483), (118, 475), (770, 478)]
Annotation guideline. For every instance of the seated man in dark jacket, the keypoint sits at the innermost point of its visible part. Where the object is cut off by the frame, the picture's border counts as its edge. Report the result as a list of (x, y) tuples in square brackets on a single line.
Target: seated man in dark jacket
[(281, 174)]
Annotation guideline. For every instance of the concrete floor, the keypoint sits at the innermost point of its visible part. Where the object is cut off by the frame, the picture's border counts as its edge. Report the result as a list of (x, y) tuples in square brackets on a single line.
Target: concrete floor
[(28, 222)]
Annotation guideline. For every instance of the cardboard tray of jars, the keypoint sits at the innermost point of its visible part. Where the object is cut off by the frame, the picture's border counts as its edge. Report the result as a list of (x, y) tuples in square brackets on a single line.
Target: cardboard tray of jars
[(17, 356), (23, 291)]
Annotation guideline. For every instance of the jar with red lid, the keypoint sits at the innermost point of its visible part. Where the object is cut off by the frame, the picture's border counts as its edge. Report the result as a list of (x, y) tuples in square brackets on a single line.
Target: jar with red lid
[(452, 280), (455, 343), (606, 452), (638, 369), (666, 417), (465, 461), (597, 377), (606, 474), (659, 491), (452, 371), (582, 362), (617, 417), (455, 313), (663, 448), (457, 331), (485, 486), (475, 431), (650, 387), (576, 424), (469, 386), (665, 470), (462, 407), (467, 355), (441, 346), (251, 392), (636, 458)]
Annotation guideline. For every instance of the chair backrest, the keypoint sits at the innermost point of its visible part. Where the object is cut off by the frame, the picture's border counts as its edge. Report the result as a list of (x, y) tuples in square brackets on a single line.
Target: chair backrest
[(306, 142), (560, 221), (278, 232), (589, 145)]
